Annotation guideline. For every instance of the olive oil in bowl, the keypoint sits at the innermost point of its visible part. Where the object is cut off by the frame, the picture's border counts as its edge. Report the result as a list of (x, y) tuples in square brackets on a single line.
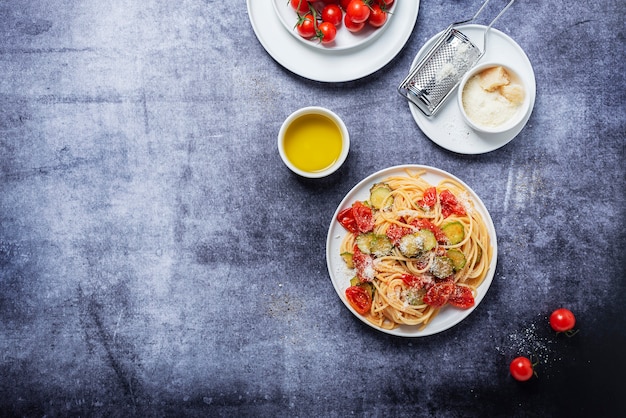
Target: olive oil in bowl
[(313, 142)]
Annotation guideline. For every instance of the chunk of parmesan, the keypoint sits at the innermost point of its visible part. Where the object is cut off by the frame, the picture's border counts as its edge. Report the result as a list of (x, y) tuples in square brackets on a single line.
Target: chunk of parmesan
[(493, 78)]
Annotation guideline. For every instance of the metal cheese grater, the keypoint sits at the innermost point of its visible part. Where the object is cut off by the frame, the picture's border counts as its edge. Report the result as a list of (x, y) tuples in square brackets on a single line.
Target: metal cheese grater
[(441, 69)]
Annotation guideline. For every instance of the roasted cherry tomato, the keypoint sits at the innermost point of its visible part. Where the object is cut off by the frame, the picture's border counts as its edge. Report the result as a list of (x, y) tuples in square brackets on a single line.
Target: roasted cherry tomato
[(439, 293), (521, 369), (346, 219), (429, 199), (562, 320), (359, 298), (396, 232), (461, 297), (363, 264), (422, 223), (363, 216), (450, 205)]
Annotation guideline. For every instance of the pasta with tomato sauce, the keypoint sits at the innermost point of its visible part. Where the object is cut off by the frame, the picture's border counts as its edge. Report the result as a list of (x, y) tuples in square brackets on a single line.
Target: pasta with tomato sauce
[(415, 248)]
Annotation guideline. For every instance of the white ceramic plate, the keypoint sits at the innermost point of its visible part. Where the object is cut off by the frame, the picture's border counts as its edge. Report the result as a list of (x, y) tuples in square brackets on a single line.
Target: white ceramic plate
[(344, 40), (340, 275), (447, 128), (332, 66)]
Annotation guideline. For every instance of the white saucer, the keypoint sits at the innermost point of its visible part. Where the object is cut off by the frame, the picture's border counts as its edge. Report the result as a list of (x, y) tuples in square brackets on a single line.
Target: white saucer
[(332, 66), (447, 128), (344, 40)]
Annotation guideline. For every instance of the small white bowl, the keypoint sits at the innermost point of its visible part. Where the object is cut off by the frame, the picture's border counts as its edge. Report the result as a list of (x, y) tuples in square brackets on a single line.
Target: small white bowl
[(312, 161), (513, 120)]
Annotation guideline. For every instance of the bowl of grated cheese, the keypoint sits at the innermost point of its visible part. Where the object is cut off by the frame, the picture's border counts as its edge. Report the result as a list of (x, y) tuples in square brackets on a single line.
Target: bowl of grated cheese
[(492, 98)]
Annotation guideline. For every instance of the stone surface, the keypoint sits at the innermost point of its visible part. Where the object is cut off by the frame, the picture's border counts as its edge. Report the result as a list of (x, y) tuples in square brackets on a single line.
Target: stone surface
[(158, 259)]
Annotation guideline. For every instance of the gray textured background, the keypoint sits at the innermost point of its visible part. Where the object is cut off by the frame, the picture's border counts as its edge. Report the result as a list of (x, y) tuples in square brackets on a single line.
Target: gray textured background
[(158, 259)]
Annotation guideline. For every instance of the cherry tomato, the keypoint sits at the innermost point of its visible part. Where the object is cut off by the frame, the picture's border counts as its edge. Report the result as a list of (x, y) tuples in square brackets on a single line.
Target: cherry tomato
[(352, 26), (396, 232), (521, 369), (430, 195), (378, 16), (358, 11), (450, 205), (422, 223), (562, 320), (363, 264), (301, 6), (439, 293), (344, 4), (332, 13), (385, 4), (306, 26), (363, 216), (327, 32), (461, 297), (346, 219), (359, 298)]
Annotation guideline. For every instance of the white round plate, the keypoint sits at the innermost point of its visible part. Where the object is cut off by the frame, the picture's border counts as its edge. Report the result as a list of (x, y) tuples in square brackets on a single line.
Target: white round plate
[(344, 40), (447, 128), (340, 275), (332, 66)]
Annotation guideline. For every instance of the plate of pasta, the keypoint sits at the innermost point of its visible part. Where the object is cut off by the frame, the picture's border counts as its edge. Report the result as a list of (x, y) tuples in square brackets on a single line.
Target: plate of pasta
[(411, 250)]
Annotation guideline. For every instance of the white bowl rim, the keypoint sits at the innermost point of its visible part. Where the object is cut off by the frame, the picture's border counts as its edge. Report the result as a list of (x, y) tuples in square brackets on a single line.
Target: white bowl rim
[(315, 110), (511, 123)]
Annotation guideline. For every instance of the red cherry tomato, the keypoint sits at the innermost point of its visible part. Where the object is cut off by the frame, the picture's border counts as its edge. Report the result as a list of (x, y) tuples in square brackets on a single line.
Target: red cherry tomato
[(429, 199), (358, 11), (352, 26), (332, 13), (461, 297), (439, 293), (396, 232), (327, 32), (422, 223), (359, 298), (378, 16), (385, 4), (346, 219), (344, 4), (450, 205), (562, 320), (306, 26), (363, 265), (301, 6), (363, 216), (521, 369)]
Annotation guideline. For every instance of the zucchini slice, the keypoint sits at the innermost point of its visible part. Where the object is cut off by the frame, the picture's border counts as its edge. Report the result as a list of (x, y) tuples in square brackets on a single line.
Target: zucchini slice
[(412, 245), (428, 239), (454, 231), (458, 258), (347, 257), (379, 196), (442, 267), (376, 244)]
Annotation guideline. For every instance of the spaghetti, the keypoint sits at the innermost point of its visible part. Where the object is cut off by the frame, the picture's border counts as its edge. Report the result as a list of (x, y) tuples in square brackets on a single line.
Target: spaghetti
[(414, 248)]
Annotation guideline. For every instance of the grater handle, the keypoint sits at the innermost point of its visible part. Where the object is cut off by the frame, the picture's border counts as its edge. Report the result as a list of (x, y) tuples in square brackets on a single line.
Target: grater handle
[(462, 22), (509, 4)]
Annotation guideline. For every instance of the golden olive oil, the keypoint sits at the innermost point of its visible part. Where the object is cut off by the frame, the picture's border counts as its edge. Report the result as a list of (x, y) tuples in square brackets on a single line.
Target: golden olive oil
[(313, 142)]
